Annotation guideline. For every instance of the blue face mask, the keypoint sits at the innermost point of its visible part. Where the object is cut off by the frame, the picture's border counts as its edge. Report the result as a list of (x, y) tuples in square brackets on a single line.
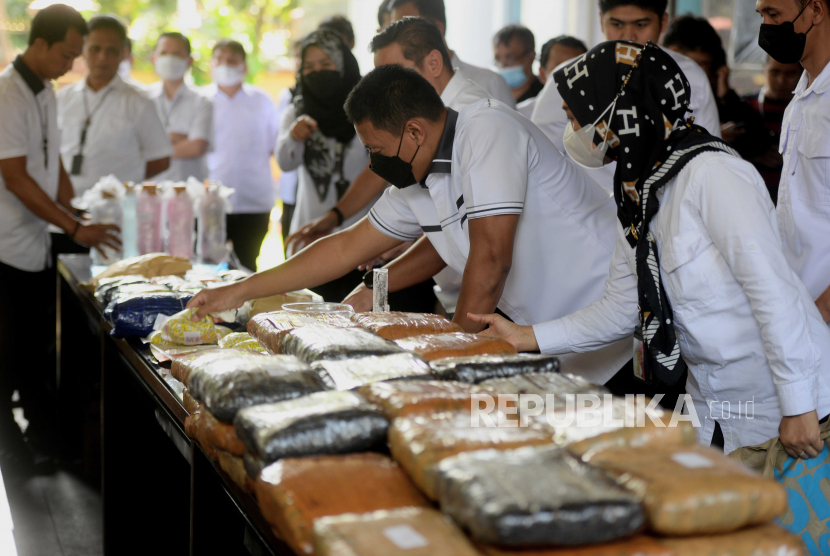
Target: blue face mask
[(514, 75)]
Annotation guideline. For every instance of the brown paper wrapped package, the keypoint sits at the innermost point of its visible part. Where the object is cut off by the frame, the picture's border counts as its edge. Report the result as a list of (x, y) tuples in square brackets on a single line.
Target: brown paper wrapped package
[(204, 428), (640, 545), (409, 531), (234, 466), (459, 344), (294, 492), (270, 328), (420, 442), (395, 325), (691, 490), (149, 266), (190, 405), (407, 397), (644, 438)]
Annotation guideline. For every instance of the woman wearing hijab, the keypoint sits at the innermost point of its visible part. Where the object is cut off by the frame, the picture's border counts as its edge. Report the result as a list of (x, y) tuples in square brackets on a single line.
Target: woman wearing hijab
[(698, 263), (315, 136)]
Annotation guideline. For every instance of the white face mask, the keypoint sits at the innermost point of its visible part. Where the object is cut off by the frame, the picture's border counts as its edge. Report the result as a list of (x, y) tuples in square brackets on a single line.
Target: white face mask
[(579, 144), (170, 67), (228, 76)]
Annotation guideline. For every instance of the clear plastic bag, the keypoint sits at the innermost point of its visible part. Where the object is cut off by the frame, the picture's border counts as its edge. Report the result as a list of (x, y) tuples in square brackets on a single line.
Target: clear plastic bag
[(180, 330), (408, 397), (241, 340), (439, 346), (323, 423), (319, 341), (535, 496), (396, 325), (479, 368), (348, 374), (270, 328)]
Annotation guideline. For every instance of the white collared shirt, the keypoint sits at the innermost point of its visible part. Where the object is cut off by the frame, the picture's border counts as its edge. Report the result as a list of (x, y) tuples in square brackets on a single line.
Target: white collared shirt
[(493, 161), (24, 241), (746, 325), (804, 194), (124, 134), (288, 180), (488, 80), (245, 133), (526, 107), (188, 113)]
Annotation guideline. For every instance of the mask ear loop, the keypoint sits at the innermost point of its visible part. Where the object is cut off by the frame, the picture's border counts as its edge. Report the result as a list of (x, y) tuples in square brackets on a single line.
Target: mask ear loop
[(398, 154)]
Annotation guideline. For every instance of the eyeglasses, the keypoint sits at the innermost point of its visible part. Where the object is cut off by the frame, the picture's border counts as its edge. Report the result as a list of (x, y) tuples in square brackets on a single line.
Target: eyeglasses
[(511, 60)]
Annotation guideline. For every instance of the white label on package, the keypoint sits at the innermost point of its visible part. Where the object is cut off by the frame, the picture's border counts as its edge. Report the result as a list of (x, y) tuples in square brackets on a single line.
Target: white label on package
[(192, 338), (692, 460), (405, 537), (160, 320)]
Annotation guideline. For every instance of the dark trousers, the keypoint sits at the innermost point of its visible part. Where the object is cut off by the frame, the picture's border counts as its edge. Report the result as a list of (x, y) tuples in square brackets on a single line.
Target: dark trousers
[(247, 231), (624, 382), (285, 219)]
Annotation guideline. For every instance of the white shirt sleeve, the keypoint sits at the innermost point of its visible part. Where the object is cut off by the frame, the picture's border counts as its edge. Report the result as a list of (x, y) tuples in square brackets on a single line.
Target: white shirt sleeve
[(501, 90), (549, 116), (604, 322), (392, 216), (289, 151), (739, 217), (202, 125), (153, 141), (14, 131)]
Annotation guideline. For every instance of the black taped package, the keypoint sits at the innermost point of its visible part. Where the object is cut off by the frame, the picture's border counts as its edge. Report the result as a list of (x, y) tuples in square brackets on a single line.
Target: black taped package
[(135, 315), (478, 368), (347, 374), (535, 496), (328, 422), (227, 382), (319, 341)]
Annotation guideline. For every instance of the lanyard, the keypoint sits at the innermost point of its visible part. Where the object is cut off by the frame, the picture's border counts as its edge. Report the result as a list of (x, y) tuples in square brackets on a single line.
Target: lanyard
[(43, 116), (89, 117)]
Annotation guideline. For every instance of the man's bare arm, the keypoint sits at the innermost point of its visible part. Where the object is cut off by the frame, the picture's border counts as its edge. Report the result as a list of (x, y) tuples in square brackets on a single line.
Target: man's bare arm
[(156, 167)]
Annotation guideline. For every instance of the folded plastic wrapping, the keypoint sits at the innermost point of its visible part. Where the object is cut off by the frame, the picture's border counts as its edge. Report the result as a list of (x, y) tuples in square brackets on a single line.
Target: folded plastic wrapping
[(644, 437), (407, 531), (407, 397), (241, 340), (458, 344), (420, 442), (328, 422), (109, 287), (135, 315), (692, 490), (347, 374), (535, 496), (763, 540), (149, 266), (270, 328), (190, 405), (478, 368), (324, 342), (638, 545), (181, 367), (293, 493), (209, 432), (394, 325), (234, 467), (554, 391), (180, 330), (226, 384)]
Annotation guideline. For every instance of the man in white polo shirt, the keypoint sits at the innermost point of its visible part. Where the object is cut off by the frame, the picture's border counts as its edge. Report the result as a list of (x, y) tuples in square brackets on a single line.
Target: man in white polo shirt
[(34, 191), (107, 126), (524, 226), (186, 114)]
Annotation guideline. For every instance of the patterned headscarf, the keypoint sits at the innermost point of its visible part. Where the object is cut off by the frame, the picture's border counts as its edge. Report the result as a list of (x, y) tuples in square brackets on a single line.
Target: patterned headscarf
[(651, 139)]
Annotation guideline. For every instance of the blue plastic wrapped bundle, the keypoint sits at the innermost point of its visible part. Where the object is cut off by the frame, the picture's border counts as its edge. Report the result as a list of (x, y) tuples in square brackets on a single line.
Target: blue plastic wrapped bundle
[(134, 315)]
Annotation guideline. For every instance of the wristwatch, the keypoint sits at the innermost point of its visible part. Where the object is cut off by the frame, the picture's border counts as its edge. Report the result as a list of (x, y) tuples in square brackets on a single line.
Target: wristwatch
[(369, 279)]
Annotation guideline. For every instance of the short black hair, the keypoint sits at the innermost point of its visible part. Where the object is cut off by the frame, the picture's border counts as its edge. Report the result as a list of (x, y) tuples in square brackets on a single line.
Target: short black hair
[(518, 32), (689, 33), (110, 23), (230, 44), (389, 96), (416, 36), (53, 22), (657, 6), (429, 9), (383, 9), (175, 35), (566, 41), (340, 25)]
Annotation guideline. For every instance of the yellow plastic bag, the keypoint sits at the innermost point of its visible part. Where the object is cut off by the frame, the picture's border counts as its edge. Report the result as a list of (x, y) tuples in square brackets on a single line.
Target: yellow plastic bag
[(180, 330)]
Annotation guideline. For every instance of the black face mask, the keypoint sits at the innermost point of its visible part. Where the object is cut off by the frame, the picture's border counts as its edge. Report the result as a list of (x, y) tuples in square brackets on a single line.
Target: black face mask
[(323, 83), (394, 170), (782, 42)]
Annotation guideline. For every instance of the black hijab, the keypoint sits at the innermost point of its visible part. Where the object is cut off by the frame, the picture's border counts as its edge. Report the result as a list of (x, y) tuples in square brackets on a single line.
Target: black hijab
[(651, 139), (321, 95)]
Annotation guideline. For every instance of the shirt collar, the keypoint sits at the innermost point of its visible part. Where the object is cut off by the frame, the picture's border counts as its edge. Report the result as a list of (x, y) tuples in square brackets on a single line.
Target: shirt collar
[(32, 81), (819, 86), (114, 82), (452, 89), (442, 163)]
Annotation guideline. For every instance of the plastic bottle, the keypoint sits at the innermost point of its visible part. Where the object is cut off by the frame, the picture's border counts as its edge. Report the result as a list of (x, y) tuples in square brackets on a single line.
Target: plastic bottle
[(129, 229), (212, 231), (180, 223), (106, 211), (148, 212)]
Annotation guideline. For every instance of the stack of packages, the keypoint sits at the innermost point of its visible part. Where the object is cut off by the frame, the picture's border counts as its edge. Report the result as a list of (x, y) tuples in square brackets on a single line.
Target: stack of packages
[(309, 428)]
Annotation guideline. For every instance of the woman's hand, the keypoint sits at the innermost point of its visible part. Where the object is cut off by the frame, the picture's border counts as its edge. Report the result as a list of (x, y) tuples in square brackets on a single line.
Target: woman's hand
[(302, 128), (520, 337), (361, 299), (213, 300), (800, 435), (311, 232)]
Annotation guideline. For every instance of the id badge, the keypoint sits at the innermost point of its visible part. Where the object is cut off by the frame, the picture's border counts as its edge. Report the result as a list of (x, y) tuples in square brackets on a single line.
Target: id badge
[(639, 355), (77, 163)]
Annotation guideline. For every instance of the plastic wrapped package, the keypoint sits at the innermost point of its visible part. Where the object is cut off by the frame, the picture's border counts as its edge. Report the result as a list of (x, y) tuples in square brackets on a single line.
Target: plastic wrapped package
[(347, 374), (715, 495), (241, 340), (479, 368), (535, 496), (274, 303), (639, 545), (396, 325), (420, 442), (234, 467), (407, 531), (180, 330), (555, 390), (190, 405), (323, 342), (270, 328), (295, 492), (108, 287), (641, 437), (136, 315), (204, 427), (323, 423), (459, 344), (227, 383), (149, 266), (181, 367), (408, 397), (764, 540)]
